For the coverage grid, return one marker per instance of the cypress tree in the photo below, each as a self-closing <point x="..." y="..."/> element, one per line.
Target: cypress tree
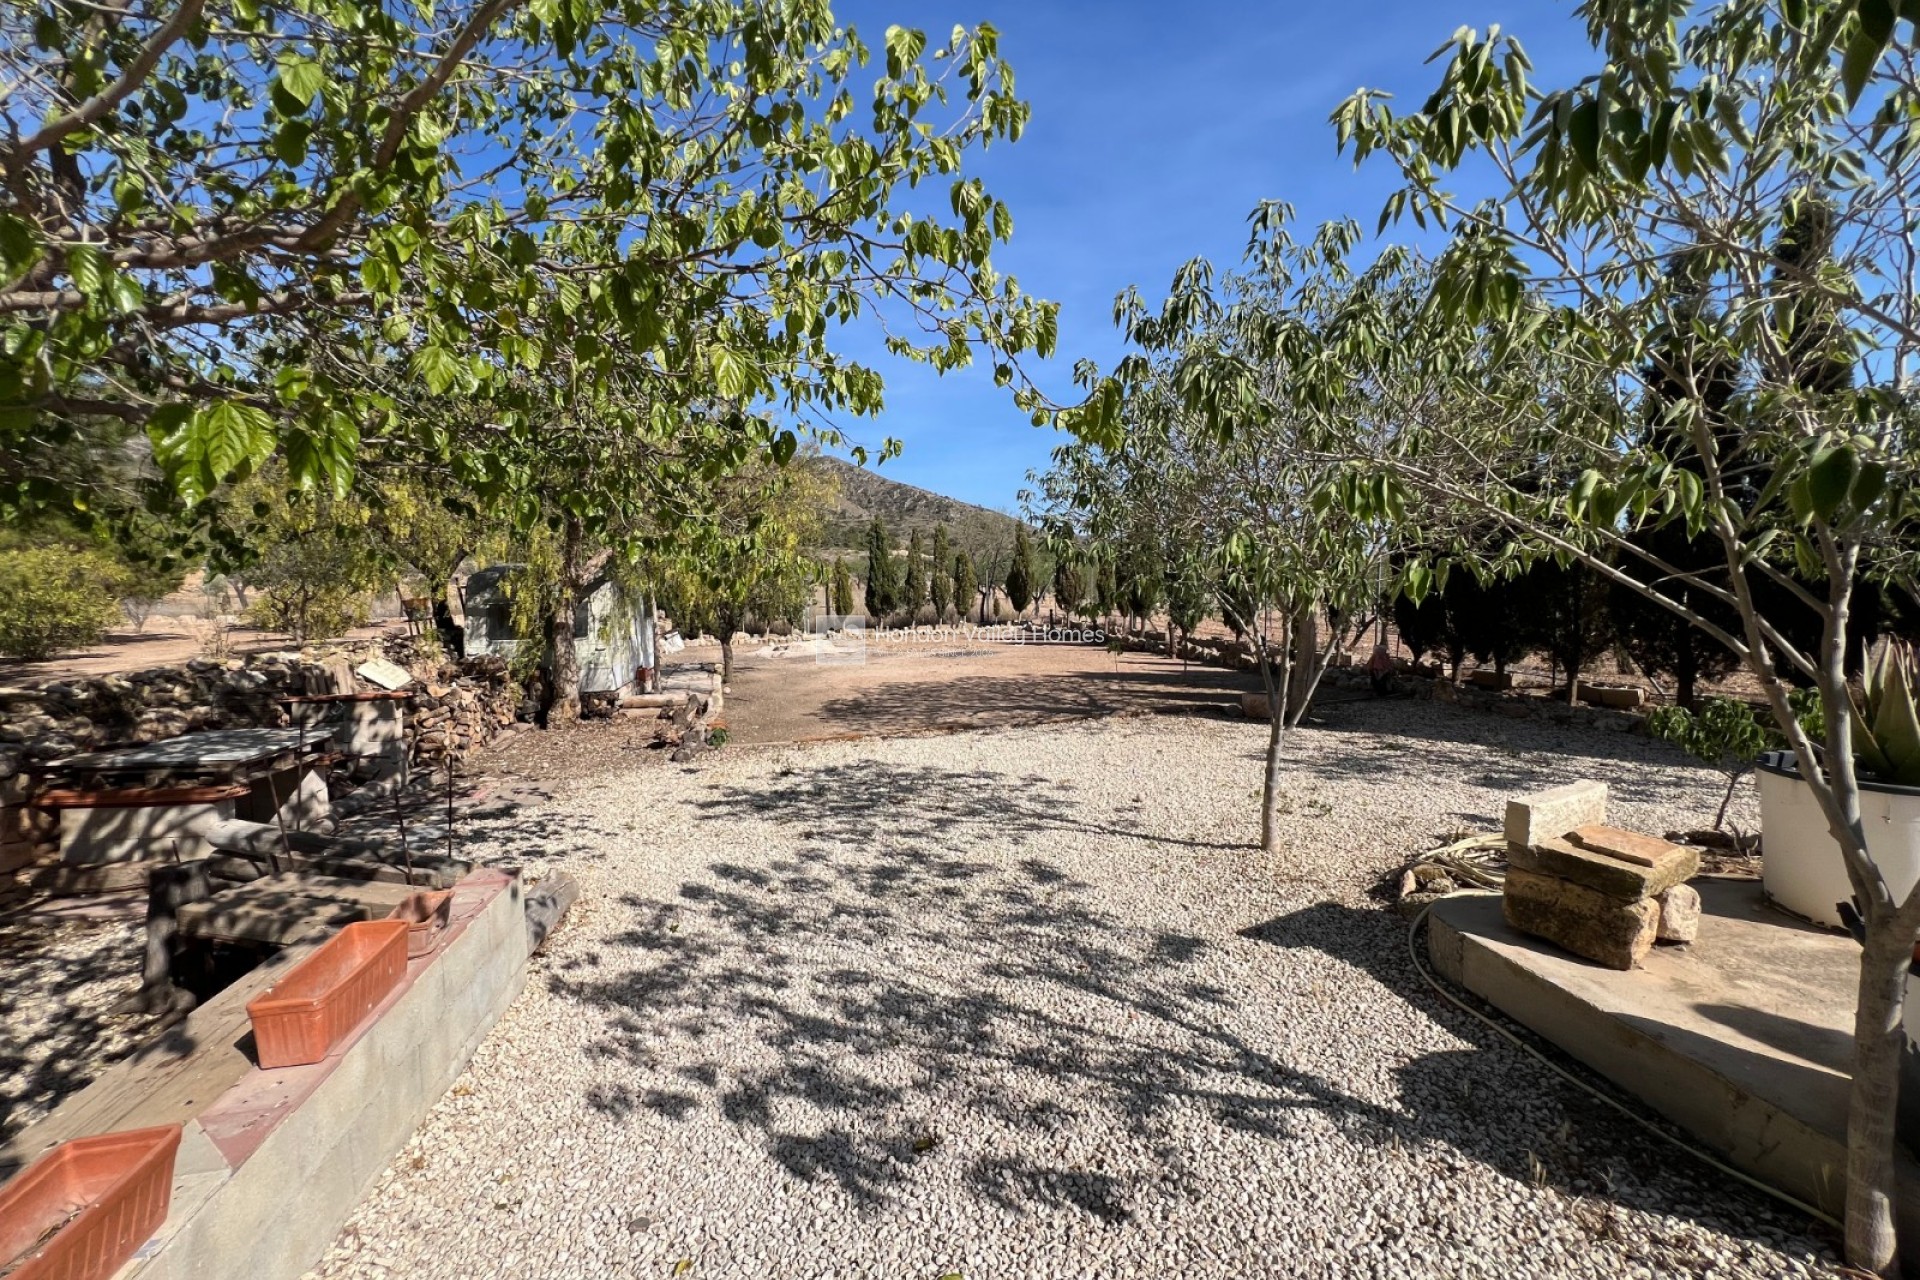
<point x="883" y="584"/>
<point x="966" y="583"/>
<point x="1069" y="585"/>
<point x="1020" y="583"/>
<point x="940" y="573"/>
<point x="840" y="589"/>
<point x="914" y="593"/>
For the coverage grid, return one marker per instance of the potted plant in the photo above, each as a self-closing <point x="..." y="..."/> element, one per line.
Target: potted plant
<point x="1801" y="866"/>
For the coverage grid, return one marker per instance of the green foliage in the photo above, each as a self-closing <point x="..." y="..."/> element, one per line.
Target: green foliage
<point x="840" y="588"/>
<point x="1886" y="720"/>
<point x="966" y="582"/>
<point x="883" y="581"/>
<point x="1723" y="732"/>
<point x="940" y="573"/>
<point x="913" y="591"/>
<point x="1187" y="595"/>
<point x="254" y="228"/>
<point x="717" y="737"/>
<point x="315" y="567"/>
<point x="1020" y="583"/>
<point x="1069" y="584"/>
<point x="54" y="599"/>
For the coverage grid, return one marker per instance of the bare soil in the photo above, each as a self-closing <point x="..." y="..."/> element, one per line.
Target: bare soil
<point x="780" y="693"/>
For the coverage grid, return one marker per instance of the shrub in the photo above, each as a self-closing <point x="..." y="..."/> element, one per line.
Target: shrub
<point x="55" y="599"/>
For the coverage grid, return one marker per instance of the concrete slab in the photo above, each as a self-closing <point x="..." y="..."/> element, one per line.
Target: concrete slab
<point x="1742" y="1038"/>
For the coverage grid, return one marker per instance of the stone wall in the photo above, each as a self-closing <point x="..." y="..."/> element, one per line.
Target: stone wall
<point x="456" y="708"/>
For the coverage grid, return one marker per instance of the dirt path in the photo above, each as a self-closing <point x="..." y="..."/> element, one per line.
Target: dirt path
<point x="780" y="694"/>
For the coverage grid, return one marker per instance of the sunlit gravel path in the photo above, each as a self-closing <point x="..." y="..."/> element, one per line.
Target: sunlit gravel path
<point x="1028" y="1004"/>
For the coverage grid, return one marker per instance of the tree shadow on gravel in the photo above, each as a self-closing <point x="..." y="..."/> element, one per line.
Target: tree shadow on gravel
<point x="1497" y="1107"/>
<point x="1490" y="750"/>
<point x="851" y="1000"/>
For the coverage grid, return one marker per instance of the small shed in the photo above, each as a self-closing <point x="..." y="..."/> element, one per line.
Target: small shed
<point x="613" y="630"/>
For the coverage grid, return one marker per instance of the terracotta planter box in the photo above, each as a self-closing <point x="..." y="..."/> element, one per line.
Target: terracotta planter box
<point x="81" y="1210"/>
<point x="327" y="994"/>
<point x="426" y="915"/>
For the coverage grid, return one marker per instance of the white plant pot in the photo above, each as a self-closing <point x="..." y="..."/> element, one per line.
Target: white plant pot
<point x="1801" y="866"/>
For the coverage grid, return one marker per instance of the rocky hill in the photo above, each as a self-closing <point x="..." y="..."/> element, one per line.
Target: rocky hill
<point x="903" y="508"/>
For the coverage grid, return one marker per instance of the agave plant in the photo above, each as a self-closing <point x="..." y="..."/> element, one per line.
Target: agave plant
<point x="1886" y="724"/>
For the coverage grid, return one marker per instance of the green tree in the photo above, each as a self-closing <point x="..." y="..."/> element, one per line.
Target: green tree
<point x="1020" y="580"/>
<point x="883" y="589"/>
<point x="243" y="226"/>
<point x="55" y="598"/>
<point x="913" y="593"/>
<point x="1188" y="585"/>
<point x="315" y="567"/>
<point x="841" y="588"/>
<point x="1069" y="587"/>
<point x="966" y="583"/>
<point x="1603" y="183"/>
<point x="940" y="573"/>
<point x="760" y="533"/>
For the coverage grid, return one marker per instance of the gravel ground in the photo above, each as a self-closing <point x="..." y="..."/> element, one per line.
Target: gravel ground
<point x="1028" y="1004"/>
<point x="57" y="1026"/>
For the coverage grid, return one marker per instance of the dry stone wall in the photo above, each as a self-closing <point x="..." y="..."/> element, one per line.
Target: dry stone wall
<point x="456" y="709"/>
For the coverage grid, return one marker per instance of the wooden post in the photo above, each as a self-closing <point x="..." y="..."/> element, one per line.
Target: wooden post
<point x="168" y="890"/>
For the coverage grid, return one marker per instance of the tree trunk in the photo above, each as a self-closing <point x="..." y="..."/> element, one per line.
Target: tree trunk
<point x="1306" y="652"/>
<point x="566" y="658"/>
<point x="1873" y="1104"/>
<point x="1573" y="684"/>
<point x="726" y="659"/>
<point x="1277" y="698"/>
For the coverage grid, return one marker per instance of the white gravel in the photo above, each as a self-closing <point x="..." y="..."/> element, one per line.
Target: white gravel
<point x="58" y="1031"/>
<point x="1029" y="1004"/>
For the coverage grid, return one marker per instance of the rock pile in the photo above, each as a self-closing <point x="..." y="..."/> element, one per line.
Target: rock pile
<point x="1602" y="893"/>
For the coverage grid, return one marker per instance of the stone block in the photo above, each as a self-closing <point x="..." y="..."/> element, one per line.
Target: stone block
<point x="1547" y="815"/>
<point x="1628" y="846"/>
<point x="1602" y="872"/>
<point x="1581" y="920"/>
<point x="1620" y="697"/>
<point x="1679" y="914"/>
<point x="1496" y="680"/>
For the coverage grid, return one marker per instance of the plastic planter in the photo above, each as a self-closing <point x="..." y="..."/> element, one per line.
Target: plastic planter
<point x="1800" y="863"/>
<point x="81" y="1210"/>
<point x="426" y="915"/>
<point x="326" y="995"/>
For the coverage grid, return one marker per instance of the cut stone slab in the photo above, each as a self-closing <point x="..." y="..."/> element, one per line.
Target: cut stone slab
<point x="1604" y="873"/>
<point x="1629" y="846"/>
<point x="1549" y="814"/>
<point x="1680" y="914"/>
<point x="388" y="675"/>
<point x="1581" y="920"/>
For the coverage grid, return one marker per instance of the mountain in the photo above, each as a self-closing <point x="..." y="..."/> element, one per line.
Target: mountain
<point x="903" y="508"/>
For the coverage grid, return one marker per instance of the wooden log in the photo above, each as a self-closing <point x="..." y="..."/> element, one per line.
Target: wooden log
<point x="636" y="701"/>
<point x="547" y="904"/>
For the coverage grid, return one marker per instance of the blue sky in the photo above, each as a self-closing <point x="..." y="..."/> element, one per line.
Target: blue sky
<point x="1156" y="128"/>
